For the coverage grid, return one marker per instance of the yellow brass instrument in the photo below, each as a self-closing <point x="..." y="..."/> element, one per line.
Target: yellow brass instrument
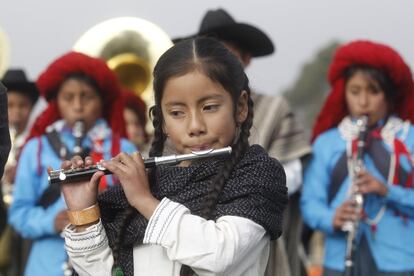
<point x="6" y="185"/>
<point x="4" y="52"/>
<point x="131" y="46"/>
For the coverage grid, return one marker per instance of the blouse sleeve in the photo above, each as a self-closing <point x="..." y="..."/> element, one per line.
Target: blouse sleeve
<point x="314" y="201"/>
<point x="400" y="197"/>
<point x="206" y="246"/>
<point x="89" y="250"/>
<point x="29" y="219"/>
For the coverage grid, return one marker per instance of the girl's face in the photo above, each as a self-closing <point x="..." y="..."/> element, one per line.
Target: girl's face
<point x="364" y="96"/>
<point x="198" y="113"/>
<point x="79" y="101"/>
<point x="135" y="130"/>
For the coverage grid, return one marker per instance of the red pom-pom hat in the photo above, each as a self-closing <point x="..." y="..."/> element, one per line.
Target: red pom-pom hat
<point x="376" y="55"/>
<point x="52" y="78"/>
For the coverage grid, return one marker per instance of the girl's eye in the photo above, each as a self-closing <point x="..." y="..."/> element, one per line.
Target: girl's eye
<point x="354" y="91"/>
<point x="68" y="98"/>
<point x="89" y="97"/>
<point x="176" y="113"/>
<point x="211" y="107"/>
<point x="374" y="91"/>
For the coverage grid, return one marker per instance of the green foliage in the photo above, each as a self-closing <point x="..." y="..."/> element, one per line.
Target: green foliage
<point x="307" y="94"/>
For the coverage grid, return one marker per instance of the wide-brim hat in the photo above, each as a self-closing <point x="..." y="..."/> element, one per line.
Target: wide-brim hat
<point x="220" y="24"/>
<point x="16" y="80"/>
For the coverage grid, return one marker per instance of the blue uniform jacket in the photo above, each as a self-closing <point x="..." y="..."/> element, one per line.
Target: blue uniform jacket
<point x="34" y="222"/>
<point x="392" y="246"/>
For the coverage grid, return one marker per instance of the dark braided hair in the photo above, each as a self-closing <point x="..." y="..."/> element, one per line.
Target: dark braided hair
<point x="210" y="57"/>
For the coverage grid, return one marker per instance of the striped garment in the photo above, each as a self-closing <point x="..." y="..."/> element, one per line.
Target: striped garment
<point x="276" y="129"/>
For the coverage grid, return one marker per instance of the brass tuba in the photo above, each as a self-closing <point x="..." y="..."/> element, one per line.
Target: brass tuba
<point x="4" y="53"/>
<point x="131" y="46"/>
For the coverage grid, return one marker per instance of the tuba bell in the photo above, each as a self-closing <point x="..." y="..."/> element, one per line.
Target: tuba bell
<point x="131" y="47"/>
<point x="4" y="53"/>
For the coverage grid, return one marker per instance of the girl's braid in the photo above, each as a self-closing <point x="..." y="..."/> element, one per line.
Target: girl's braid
<point x="156" y="150"/>
<point x="239" y="148"/>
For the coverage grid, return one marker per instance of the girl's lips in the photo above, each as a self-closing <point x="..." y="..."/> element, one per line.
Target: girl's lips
<point x="200" y="147"/>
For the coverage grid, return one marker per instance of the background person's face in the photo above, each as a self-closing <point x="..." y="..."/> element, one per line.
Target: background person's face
<point x="79" y="101"/>
<point x="364" y="96"/>
<point x="135" y="130"/>
<point x="19" y="108"/>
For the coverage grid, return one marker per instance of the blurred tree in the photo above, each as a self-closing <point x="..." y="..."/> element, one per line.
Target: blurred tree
<point x="309" y="90"/>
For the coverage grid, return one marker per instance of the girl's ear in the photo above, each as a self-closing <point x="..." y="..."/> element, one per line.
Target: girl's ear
<point x="242" y="107"/>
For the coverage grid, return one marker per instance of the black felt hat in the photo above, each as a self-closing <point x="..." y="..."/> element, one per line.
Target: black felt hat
<point x="16" y="80"/>
<point x="220" y="24"/>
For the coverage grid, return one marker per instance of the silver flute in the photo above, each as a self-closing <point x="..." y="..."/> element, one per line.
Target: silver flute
<point x="83" y="174"/>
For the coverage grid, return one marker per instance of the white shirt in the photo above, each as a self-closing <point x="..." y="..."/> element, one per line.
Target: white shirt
<point x="293" y="171"/>
<point x="230" y="246"/>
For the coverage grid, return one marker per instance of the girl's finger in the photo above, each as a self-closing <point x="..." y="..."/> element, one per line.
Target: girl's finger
<point x="88" y="161"/>
<point x="120" y="158"/>
<point x="96" y="177"/>
<point x="361" y="174"/>
<point x="115" y="166"/>
<point x="136" y="156"/>
<point x="66" y="165"/>
<point x="77" y="161"/>
<point x="126" y="159"/>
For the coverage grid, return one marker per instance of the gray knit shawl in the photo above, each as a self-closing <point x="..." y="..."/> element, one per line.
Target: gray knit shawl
<point x="255" y="190"/>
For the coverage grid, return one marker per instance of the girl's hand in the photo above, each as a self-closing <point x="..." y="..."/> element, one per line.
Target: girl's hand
<point x="368" y="184"/>
<point x="80" y="195"/>
<point x="344" y="213"/>
<point x="131" y="172"/>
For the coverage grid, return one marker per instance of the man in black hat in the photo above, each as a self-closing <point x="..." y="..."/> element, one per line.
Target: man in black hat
<point x="274" y="127"/>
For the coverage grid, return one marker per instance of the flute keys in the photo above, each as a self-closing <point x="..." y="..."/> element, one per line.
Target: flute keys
<point x="62" y="176"/>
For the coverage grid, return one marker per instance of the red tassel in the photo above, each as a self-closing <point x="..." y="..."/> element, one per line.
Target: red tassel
<point x="97" y="156"/>
<point x="373" y="230"/>
<point x="405" y="219"/>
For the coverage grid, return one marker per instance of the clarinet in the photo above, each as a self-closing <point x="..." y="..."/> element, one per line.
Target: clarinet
<point x="351" y="227"/>
<point x="83" y="174"/>
<point x="78" y="131"/>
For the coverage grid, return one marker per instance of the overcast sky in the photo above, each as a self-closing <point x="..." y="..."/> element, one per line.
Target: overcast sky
<point x="39" y="31"/>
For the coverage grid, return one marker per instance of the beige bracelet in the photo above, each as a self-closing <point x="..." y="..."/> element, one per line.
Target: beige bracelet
<point x="85" y="216"/>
